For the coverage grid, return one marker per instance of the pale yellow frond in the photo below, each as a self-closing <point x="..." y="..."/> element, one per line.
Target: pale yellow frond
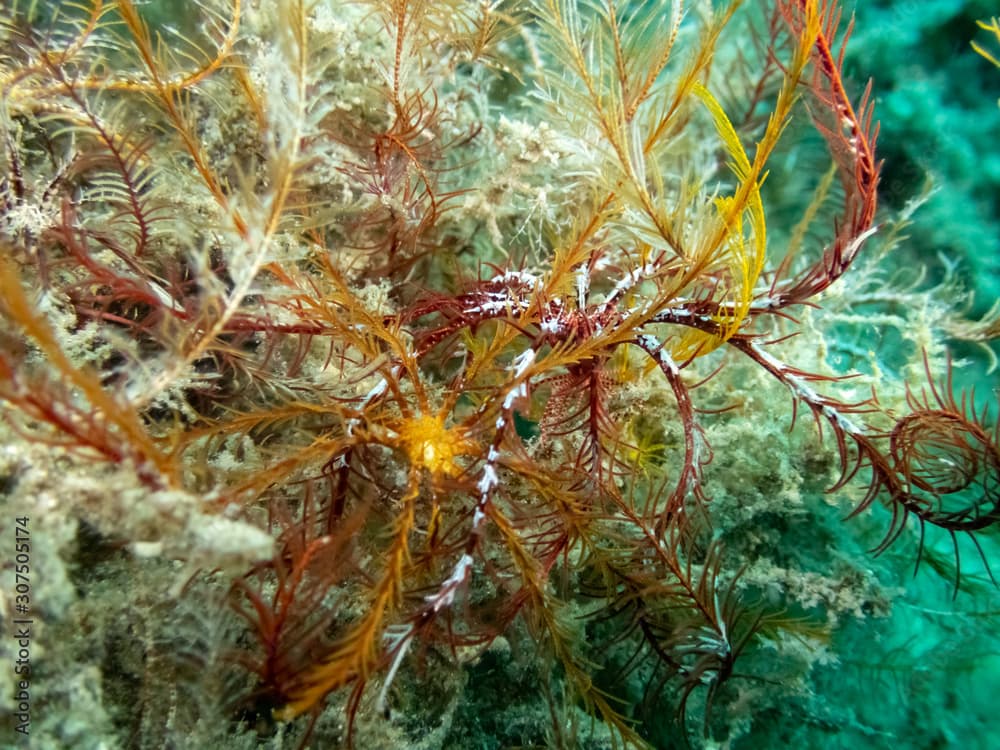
<point x="742" y="255"/>
<point x="994" y="26"/>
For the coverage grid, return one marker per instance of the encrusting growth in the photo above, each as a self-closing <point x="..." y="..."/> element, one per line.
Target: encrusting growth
<point x="443" y="453"/>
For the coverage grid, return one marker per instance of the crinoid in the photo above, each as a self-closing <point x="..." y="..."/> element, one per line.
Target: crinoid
<point x="281" y="279"/>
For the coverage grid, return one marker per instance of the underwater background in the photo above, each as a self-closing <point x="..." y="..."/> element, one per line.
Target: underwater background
<point x="135" y="635"/>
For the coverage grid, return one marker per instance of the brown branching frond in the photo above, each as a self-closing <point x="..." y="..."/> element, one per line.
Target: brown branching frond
<point x="939" y="463"/>
<point x="110" y="425"/>
<point x="289" y="603"/>
<point x="850" y="132"/>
